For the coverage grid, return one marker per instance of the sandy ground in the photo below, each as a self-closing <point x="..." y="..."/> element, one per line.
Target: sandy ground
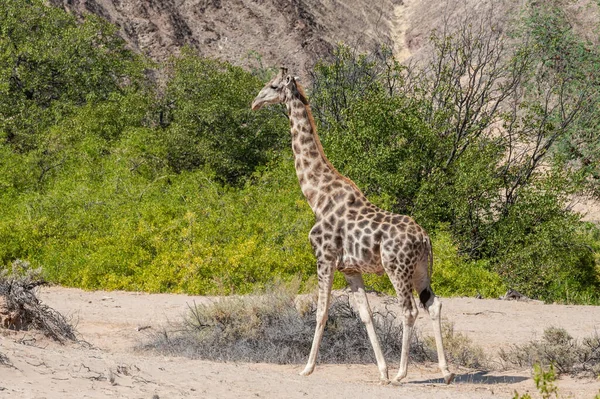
<point x="114" y="322"/>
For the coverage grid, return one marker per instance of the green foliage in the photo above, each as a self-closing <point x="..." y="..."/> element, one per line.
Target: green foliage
<point x="422" y="145"/>
<point x="568" y="69"/>
<point x="49" y="62"/>
<point x="456" y="275"/>
<point x="208" y="121"/>
<point x="544" y="382"/>
<point x="100" y="178"/>
<point x="184" y="233"/>
<point x="544" y="250"/>
<point x="375" y="138"/>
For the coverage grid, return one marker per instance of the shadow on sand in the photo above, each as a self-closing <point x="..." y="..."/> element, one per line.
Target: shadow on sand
<point x="479" y="377"/>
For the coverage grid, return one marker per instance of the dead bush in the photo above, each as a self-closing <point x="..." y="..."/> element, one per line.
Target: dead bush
<point x="459" y="349"/>
<point x="558" y="348"/>
<point x="20" y="309"/>
<point x="274" y="327"/>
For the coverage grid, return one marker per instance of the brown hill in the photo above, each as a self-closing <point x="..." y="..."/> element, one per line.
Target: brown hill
<point x="294" y="32"/>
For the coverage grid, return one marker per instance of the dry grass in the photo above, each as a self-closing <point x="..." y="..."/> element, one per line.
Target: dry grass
<point x="275" y="327"/>
<point x="459" y="349"/>
<point x="558" y="348"/>
<point x="20" y="309"/>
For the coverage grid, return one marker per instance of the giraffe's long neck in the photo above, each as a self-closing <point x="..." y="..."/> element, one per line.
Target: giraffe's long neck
<point x="315" y="172"/>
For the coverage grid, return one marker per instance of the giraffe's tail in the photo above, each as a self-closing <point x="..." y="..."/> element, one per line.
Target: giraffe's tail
<point x="429" y="257"/>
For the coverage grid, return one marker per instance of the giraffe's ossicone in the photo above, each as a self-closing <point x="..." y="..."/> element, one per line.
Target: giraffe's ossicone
<point x="353" y="236"/>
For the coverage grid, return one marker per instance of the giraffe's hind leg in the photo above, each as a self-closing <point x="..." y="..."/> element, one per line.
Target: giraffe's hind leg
<point x="434" y="307"/>
<point x="409" y="313"/>
<point x="400" y="274"/>
<point x="358" y="289"/>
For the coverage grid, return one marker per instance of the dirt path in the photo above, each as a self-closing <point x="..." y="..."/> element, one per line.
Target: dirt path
<point x="110" y="322"/>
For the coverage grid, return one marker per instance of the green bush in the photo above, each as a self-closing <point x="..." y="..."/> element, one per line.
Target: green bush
<point x="544" y="382"/>
<point x="397" y="133"/>
<point x="208" y="121"/>
<point x="456" y="275"/>
<point x="176" y="232"/>
<point x="51" y="62"/>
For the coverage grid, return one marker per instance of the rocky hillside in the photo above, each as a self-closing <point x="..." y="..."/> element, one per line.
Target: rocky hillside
<point x="295" y="33"/>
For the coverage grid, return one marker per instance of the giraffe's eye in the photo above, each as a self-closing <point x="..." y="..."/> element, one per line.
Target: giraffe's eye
<point x="274" y="87"/>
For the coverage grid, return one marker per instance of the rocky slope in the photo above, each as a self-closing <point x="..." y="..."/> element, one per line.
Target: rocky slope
<point x="295" y="33"/>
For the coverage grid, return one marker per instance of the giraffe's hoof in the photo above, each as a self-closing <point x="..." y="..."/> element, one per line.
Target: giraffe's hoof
<point x="448" y="378"/>
<point x="306" y="371"/>
<point x="384" y="378"/>
<point x="397" y="380"/>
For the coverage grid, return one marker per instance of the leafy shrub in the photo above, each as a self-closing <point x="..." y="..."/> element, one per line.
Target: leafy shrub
<point x="208" y="121"/>
<point x="112" y="180"/>
<point x="90" y="187"/>
<point x="544" y="382"/>
<point x="404" y="136"/>
<point x="456" y="275"/>
<point x="51" y="62"/>
<point x="546" y="252"/>
<point x="174" y="232"/>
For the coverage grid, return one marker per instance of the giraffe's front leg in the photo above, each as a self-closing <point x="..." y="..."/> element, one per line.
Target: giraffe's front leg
<point x="357" y="286"/>
<point x="325" y="269"/>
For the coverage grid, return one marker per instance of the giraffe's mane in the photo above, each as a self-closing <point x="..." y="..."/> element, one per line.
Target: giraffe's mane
<point x="313" y="126"/>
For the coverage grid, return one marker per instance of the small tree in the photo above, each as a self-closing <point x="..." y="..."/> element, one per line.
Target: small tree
<point x="208" y="121"/>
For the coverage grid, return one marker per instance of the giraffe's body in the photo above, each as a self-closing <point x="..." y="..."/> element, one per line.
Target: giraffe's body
<point x="353" y="236"/>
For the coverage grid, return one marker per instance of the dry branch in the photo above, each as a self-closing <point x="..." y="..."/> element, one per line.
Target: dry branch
<point x="20" y="309"/>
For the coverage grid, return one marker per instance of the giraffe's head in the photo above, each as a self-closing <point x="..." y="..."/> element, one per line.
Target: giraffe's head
<point x="278" y="90"/>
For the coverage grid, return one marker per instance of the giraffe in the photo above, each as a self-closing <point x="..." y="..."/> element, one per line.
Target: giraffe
<point x="353" y="236"/>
